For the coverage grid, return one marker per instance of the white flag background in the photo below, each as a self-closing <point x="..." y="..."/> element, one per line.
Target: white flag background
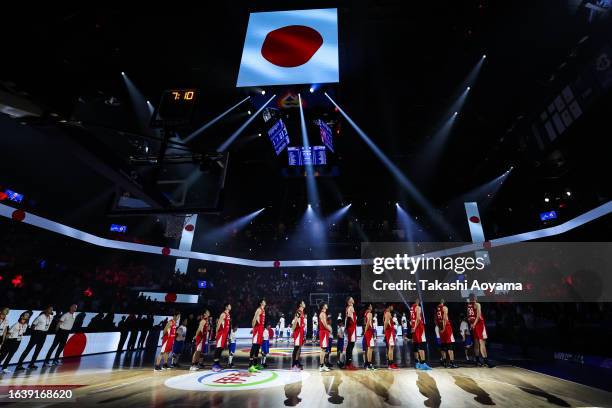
<point x="322" y="67"/>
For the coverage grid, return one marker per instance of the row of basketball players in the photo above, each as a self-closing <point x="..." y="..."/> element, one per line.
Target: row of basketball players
<point x="223" y="334"/>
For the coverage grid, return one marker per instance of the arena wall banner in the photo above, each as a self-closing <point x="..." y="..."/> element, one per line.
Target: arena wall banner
<point x="78" y="344"/>
<point x="79" y="321"/>
<point x="170" y="297"/>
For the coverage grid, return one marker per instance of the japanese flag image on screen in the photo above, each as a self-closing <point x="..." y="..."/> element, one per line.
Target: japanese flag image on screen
<point x="290" y="47"/>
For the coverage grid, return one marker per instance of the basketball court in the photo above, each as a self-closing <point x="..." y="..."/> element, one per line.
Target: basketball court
<point x="128" y="380"/>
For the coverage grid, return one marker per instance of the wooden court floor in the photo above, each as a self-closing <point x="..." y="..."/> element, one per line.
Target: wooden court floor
<point x="127" y="380"/>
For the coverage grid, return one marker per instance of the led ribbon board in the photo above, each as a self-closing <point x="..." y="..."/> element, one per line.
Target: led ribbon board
<point x="31" y="219"/>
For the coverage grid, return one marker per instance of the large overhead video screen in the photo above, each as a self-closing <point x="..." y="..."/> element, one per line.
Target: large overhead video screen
<point x="290" y="47"/>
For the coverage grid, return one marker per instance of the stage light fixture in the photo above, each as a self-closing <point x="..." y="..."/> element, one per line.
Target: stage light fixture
<point x="546" y="199"/>
<point x="249" y="112"/>
<point x="263" y="92"/>
<point x="469" y="87"/>
<point x="568" y="193"/>
<point x="312" y="89"/>
<point x="484" y="56"/>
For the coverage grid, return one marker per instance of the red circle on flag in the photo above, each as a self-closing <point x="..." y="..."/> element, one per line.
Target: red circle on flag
<point x="486" y="244"/>
<point x="189" y="227"/>
<point x="170" y="297"/>
<point x="474" y="219"/>
<point x="165" y="251"/>
<point x="291" y="46"/>
<point x="3" y="196"/>
<point x="276" y="264"/>
<point x="75" y="345"/>
<point x="18" y="215"/>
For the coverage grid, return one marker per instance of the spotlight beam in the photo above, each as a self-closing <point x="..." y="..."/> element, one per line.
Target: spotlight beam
<point x="139" y="102"/>
<point x="396" y="172"/>
<point x="213" y="121"/>
<point x="311" y="185"/>
<point x="223" y="147"/>
<point x="225" y="231"/>
<point x="337" y="215"/>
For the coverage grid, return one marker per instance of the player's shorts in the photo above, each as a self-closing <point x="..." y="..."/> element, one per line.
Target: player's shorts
<point x="480" y="331"/>
<point x="298" y="338"/>
<point x="258" y="334"/>
<point x="265" y="346"/>
<point x="390" y="337"/>
<point x="221" y="339"/>
<point x="232" y="348"/>
<point x="446" y="335"/>
<point x="178" y="347"/>
<point x="468" y="342"/>
<point x="369" y="338"/>
<point x="200" y="343"/>
<point x="351" y="334"/>
<point x="167" y="344"/>
<point x="418" y="334"/>
<point x="323" y="339"/>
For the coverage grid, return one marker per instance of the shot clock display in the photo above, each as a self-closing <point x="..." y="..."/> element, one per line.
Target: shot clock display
<point x="175" y="107"/>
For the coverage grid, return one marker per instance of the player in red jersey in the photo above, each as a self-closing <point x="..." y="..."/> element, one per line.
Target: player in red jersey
<point x="447" y="339"/>
<point x="350" y="322"/>
<point x="200" y="340"/>
<point x="389" y="328"/>
<point x="368" y="337"/>
<point x="258" y="324"/>
<point x="298" y="328"/>
<point x="324" y="332"/>
<point x="479" y="331"/>
<point x="167" y="342"/>
<point x="419" y="341"/>
<point x="223" y="327"/>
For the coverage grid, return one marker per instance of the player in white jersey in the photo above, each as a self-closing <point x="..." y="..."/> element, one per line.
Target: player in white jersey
<point x="281" y="328"/>
<point x="315" y="328"/>
<point x="375" y="325"/>
<point x="232" y="346"/>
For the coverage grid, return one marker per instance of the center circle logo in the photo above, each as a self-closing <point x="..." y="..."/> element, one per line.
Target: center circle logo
<point x="234" y="380"/>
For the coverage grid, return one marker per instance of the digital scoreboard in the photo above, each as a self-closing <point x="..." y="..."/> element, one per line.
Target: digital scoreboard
<point x="279" y="136"/>
<point x="326" y="134"/>
<point x="175" y="108"/>
<point x="307" y="156"/>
